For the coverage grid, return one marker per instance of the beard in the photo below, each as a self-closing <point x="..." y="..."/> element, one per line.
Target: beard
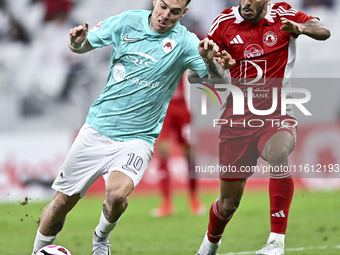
<point x="259" y="12"/>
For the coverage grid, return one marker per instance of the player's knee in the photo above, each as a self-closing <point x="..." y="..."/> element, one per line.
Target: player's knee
<point x="228" y="207"/>
<point x="116" y="198"/>
<point x="61" y="205"/>
<point x="278" y="156"/>
<point x="57" y="209"/>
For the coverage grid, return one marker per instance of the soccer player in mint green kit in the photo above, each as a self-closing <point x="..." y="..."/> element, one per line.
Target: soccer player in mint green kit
<point x="151" y="50"/>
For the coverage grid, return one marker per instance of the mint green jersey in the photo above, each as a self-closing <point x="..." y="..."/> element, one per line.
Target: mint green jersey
<point x="145" y="69"/>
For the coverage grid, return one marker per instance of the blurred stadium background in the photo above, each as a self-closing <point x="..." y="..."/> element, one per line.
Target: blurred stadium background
<point x="46" y="91"/>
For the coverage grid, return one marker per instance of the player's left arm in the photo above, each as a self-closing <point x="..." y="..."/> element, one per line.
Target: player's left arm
<point x="312" y="28"/>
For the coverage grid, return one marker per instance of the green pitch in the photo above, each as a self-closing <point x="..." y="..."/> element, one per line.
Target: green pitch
<point x="314" y="226"/>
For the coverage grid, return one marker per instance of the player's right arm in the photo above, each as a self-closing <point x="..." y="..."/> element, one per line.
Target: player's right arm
<point x="78" y="42"/>
<point x="312" y="28"/>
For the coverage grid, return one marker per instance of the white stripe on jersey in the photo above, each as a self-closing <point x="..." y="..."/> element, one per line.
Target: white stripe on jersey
<point x="219" y="19"/>
<point x="283" y="12"/>
<point x="288" y="72"/>
<point x="239" y="38"/>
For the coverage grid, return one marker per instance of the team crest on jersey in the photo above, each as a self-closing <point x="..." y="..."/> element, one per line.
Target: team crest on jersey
<point x="270" y="39"/>
<point x="99" y="25"/>
<point x="168" y="45"/>
<point x="253" y="50"/>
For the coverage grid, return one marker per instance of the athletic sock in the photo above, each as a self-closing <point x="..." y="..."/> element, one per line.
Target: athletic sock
<point x="192" y="179"/>
<point x="42" y="241"/>
<point x="104" y="227"/>
<point x="217" y="223"/>
<point x="165" y="180"/>
<point x="279" y="238"/>
<point x="281" y="194"/>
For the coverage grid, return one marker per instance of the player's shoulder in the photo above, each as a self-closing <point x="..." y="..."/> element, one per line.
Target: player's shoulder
<point x="134" y="14"/>
<point x="228" y="16"/>
<point x="283" y="5"/>
<point x="224" y="20"/>
<point x="129" y="17"/>
<point x="282" y="9"/>
<point x="181" y="33"/>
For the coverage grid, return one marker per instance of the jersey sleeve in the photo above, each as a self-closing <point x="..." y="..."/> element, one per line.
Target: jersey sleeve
<point x="299" y="17"/>
<point x="216" y="31"/>
<point x="105" y="32"/>
<point x="193" y="60"/>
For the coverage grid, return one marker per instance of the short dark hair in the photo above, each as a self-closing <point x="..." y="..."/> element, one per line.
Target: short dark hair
<point x="188" y="1"/>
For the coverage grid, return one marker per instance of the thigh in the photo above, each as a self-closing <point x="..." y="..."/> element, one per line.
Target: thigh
<point x="236" y="156"/>
<point x="118" y="183"/>
<point x="276" y="137"/>
<point x="130" y="157"/>
<point x="83" y="164"/>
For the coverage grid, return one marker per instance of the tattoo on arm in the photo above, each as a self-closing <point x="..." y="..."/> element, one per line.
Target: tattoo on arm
<point x="107" y="213"/>
<point x="56" y="228"/>
<point x="216" y="74"/>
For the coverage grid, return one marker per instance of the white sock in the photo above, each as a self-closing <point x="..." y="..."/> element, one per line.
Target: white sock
<point x="104" y="227"/>
<point x="279" y="238"/>
<point x="42" y="241"/>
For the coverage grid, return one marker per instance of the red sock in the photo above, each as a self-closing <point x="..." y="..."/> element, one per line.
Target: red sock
<point x="217" y="223"/>
<point x="281" y="194"/>
<point x="192" y="179"/>
<point x="165" y="179"/>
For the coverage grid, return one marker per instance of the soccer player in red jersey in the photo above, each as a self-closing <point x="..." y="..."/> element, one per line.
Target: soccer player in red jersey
<point x="177" y="126"/>
<point x="260" y="37"/>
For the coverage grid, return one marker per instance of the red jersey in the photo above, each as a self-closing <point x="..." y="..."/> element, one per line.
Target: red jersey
<point x="264" y="55"/>
<point x="179" y="92"/>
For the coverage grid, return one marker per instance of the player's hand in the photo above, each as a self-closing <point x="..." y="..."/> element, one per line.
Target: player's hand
<point x="291" y="26"/>
<point x="78" y="34"/>
<point x="225" y="60"/>
<point x="207" y="49"/>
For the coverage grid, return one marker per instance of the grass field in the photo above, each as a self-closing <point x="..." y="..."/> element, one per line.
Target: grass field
<point x="314" y="226"/>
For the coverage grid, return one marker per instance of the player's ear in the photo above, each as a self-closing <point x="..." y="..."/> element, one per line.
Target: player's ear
<point x="154" y="3"/>
<point x="185" y="10"/>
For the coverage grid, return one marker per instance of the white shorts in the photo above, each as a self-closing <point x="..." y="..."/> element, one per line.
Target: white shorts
<point x="93" y="154"/>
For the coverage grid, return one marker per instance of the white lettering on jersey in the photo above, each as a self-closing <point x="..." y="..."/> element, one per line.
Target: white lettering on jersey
<point x="252" y="51"/>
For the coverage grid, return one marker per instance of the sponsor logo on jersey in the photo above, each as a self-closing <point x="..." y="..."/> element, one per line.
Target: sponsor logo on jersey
<point x="270" y="39"/>
<point x="141" y="59"/>
<point x="118" y="72"/>
<point x="99" y="25"/>
<point x="237" y="40"/>
<point x="168" y="45"/>
<point x="253" y="50"/>
<point x="127" y="39"/>
<point x="138" y="81"/>
<point x="253" y="72"/>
